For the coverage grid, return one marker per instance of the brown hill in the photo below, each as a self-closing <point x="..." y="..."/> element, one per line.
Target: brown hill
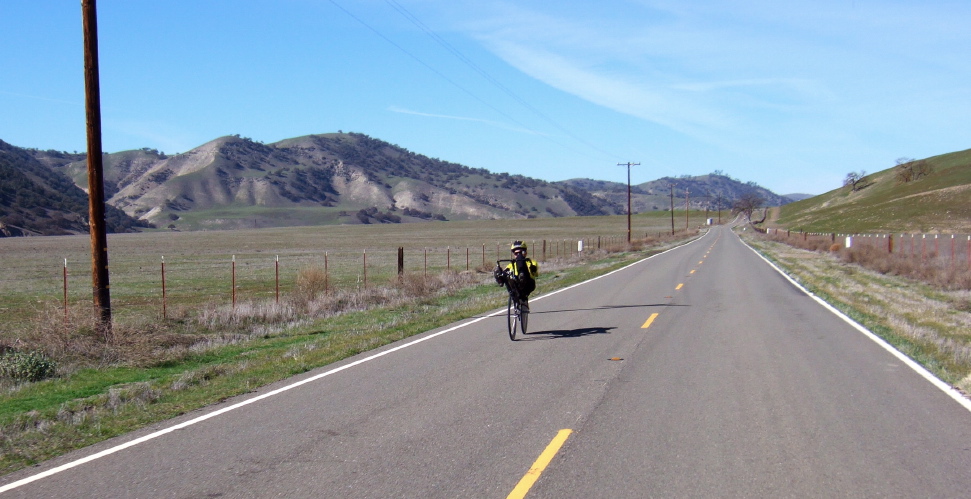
<point x="234" y="182"/>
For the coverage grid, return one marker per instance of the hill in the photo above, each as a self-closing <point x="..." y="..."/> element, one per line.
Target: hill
<point x="37" y="200"/>
<point x="936" y="203"/>
<point x="234" y="182"/>
<point x="712" y="191"/>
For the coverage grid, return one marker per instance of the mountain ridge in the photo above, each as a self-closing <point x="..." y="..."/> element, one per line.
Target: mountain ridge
<point x="338" y="178"/>
<point x="35" y="199"/>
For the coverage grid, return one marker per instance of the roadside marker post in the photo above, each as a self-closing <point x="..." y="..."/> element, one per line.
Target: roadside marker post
<point x="65" y="289"/>
<point x="164" y="301"/>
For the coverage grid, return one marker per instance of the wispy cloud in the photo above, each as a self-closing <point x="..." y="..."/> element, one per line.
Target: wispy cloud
<point x="401" y="110"/>
<point x="793" y="83"/>
<point x="162" y="136"/>
<point x="628" y="94"/>
<point x="38" y="97"/>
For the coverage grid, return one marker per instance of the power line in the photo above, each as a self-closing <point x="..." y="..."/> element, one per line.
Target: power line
<point x="453" y="83"/>
<point x="468" y="62"/>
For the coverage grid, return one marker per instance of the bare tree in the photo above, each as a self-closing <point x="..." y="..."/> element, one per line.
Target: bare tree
<point x="856" y="180"/>
<point x="908" y="170"/>
<point x="748" y="203"/>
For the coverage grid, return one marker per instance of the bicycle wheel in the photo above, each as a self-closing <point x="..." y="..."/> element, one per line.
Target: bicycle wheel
<point x="523" y="317"/>
<point x="512" y="317"/>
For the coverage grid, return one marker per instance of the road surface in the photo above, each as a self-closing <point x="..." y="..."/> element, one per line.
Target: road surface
<point x="700" y="372"/>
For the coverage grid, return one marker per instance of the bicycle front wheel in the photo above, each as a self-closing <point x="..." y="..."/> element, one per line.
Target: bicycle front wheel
<point x="512" y="318"/>
<point x="523" y="316"/>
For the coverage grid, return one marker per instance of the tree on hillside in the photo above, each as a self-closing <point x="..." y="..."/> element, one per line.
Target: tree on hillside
<point x="908" y="170"/>
<point x="856" y="180"/>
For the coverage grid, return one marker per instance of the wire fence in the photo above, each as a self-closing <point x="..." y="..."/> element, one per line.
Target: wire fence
<point x="942" y="260"/>
<point x="951" y="249"/>
<point x="145" y="282"/>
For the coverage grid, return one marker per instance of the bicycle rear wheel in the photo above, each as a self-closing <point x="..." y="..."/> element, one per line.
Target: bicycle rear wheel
<point x="512" y="317"/>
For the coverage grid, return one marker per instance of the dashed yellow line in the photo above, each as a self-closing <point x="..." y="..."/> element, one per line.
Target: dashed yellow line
<point x="692" y="272"/>
<point x="541" y="463"/>
<point x="650" y="320"/>
<point x="679" y="286"/>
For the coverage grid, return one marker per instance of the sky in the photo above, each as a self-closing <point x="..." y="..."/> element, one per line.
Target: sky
<point x="792" y="95"/>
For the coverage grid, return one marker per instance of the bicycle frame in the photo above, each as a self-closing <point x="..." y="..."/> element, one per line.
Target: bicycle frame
<point x="515" y="315"/>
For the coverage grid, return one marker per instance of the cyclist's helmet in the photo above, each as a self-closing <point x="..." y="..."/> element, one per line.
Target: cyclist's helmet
<point x="517" y="245"/>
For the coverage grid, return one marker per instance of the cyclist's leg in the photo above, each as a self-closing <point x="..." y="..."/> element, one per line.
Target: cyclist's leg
<point x="525" y="287"/>
<point x="513" y="288"/>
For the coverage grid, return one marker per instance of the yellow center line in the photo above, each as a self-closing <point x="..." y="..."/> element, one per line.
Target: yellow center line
<point x="650" y="320"/>
<point x="692" y="272"/>
<point x="541" y="463"/>
<point x="679" y="286"/>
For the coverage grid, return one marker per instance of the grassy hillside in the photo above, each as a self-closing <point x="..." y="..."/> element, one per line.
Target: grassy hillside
<point x="937" y="203"/>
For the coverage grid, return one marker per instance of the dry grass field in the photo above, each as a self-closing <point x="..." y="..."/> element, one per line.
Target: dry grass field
<point x="199" y="265"/>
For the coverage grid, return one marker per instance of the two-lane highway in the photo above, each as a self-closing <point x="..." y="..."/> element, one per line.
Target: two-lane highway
<point x="698" y="372"/>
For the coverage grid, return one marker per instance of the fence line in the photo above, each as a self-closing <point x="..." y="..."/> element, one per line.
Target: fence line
<point x="953" y="250"/>
<point x="140" y="282"/>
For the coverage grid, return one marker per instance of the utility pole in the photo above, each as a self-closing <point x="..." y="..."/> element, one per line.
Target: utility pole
<point x="687" y="207"/>
<point x="672" y="209"/>
<point x="629" y="164"/>
<point x="96" y="191"/>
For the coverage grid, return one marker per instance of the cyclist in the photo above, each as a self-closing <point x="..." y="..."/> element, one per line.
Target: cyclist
<point x="522" y="270"/>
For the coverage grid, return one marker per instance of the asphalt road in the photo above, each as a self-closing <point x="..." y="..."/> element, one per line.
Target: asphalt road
<point x="741" y="385"/>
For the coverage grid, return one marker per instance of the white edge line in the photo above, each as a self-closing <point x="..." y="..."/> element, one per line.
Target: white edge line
<point x="921" y="370"/>
<point x="185" y="424"/>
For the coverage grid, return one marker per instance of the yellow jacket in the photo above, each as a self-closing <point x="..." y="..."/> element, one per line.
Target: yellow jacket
<point x="530" y="264"/>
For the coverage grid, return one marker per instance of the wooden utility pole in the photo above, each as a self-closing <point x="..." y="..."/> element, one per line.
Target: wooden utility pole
<point x="687" y="207"/>
<point x="96" y="191"/>
<point x="629" y="164"/>
<point x="672" y="209"/>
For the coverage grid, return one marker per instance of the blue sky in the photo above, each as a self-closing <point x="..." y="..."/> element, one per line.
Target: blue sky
<point x="791" y="95"/>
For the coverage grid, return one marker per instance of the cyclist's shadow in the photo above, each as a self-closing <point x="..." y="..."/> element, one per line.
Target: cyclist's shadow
<point x="565" y="333"/>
